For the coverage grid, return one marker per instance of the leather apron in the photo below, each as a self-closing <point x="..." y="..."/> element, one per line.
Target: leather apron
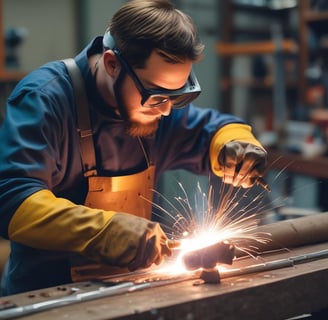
<point x="131" y="193"/>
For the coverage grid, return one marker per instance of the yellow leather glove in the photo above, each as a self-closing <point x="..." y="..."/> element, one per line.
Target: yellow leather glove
<point x="237" y="156"/>
<point x="129" y="241"/>
<point x="44" y="221"/>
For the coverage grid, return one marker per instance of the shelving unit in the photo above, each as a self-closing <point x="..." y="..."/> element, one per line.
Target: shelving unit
<point x="266" y="85"/>
<point x="317" y="22"/>
<point x="259" y="42"/>
<point x="254" y="40"/>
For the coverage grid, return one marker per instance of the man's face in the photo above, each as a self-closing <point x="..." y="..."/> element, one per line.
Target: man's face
<point x="157" y="74"/>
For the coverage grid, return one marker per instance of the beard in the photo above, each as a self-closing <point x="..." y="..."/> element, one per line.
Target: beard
<point x="137" y="129"/>
<point x="134" y="127"/>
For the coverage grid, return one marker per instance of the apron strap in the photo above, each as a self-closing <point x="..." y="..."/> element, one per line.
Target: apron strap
<point x="83" y="119"/>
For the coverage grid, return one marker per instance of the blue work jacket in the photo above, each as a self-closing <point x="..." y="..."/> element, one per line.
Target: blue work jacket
<point x="40" y="149"/>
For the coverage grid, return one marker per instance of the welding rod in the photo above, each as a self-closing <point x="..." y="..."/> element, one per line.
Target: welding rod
<point x="275" y="264"/>
<point x="263" y="184"/>
<point x="271" y="265"/>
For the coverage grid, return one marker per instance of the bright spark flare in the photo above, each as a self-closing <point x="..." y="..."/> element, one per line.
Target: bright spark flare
<point x="208" y="224"/>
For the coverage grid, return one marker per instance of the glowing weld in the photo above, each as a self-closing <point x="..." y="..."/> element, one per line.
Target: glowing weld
<point x="206" y="225"/>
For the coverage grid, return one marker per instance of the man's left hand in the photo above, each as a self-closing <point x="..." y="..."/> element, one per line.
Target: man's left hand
<point x="243" y="163"/>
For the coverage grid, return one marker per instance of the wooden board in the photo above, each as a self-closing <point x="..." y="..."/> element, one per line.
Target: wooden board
<point x="273" y="294"/>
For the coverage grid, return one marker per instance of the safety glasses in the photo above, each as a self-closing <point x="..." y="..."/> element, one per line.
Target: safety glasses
<point x="153" y="98"/>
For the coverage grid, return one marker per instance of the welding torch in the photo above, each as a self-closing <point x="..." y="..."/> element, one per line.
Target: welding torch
<point x="220" y="252"/>
<point x="206" y="259"/>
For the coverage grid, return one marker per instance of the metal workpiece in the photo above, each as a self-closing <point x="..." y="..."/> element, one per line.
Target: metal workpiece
<point x="292" y="233"/>
<point x="207" y="260"/>
<point x="210" y="276"/>
<point x="209" y="257"/>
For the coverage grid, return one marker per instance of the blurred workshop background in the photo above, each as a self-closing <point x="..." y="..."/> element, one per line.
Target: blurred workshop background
<point x="265" y="60"/>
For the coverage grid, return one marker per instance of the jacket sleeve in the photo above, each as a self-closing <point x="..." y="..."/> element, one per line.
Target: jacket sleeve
<point x="39" y="142"/>
<point x="192" y="137"/>
<point x="40" y="220"/>
<point x="44" y="221"/>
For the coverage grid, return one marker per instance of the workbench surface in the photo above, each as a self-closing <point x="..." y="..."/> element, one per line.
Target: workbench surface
<point x="274" y="294"/>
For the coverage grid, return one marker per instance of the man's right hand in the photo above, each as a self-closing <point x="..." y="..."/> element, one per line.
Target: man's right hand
<point x="118" y="239"/>
<point x="129" y="241"/>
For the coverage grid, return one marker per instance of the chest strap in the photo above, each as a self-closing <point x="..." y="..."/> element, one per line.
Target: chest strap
<point x="83" y="119"/>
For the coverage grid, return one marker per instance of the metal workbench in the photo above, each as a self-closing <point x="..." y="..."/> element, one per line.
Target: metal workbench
<point x="279" y="293"/>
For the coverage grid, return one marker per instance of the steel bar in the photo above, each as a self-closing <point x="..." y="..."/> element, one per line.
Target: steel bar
<point x="102" y="292"/>
<point x="63" y="301"/>
<point x="275" y="264"/>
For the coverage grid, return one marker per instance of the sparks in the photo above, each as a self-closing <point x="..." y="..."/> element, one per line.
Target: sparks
<point x="204" y="223"/>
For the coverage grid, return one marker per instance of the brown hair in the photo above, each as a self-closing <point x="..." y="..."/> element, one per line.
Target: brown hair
<point x="140" y="26"/>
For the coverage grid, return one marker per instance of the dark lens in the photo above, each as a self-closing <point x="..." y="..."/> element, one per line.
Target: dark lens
<point x="182" y="100"/>
<point x="156" y="100"/>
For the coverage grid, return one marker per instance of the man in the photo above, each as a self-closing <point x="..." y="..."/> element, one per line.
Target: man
<point x="76" y="179"/>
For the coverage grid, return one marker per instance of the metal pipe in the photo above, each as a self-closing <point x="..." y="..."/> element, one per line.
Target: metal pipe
<point x="291" y="233"/>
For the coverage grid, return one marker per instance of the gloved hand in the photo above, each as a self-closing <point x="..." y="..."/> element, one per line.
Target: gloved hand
<point x="130" y="241"/>
<point x="244" y="163"/>
<point x="118" y="239"/>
